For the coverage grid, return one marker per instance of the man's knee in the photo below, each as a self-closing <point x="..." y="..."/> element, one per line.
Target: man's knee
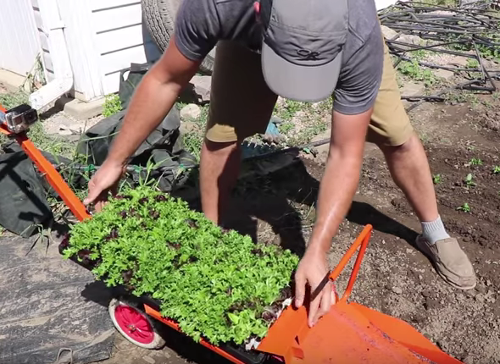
<point x="219" y="148"/>
<point x="403" y="145"/>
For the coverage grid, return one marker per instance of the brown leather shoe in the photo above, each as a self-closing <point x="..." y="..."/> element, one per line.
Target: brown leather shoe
<point x="450" y="261"/>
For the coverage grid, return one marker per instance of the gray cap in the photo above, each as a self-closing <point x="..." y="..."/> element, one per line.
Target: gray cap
<point x="302" y="46"/>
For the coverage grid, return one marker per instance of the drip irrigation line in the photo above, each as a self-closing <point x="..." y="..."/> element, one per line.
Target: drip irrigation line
<point x="472" y="29"/>
<point x="414" y="47"/>
<point x="485" y="72"/>
<point x="437" y="96"/>
<point x="453" y="69"/>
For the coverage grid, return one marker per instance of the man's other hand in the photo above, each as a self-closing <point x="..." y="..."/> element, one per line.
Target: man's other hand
<point x="311" y="270"/>
<point x="105" y="180"/>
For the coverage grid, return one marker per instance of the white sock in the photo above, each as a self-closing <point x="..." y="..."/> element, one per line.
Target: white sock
<point x="434" y="230"/>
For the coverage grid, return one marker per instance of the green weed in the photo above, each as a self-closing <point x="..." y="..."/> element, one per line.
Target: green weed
<point x="112" y="105"/>
<point x="496" y="170"/>
<point x="437" y="179"/>
<point x="13" y="99"/>
<point x="465" y="207"/>
<point x="289" y="109"/>
<point x="472" y="63"/>
<point x="286" y="127"/>
<point x="414" y="71"/>
<point x="469" y="180"/>
<point x="476" y="162"/>
<point x="192" y="142"/>
<point x="50" y="144"/>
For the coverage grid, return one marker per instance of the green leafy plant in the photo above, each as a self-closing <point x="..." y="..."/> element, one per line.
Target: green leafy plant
<point x="215" y="283"/>
<point x="414" y="71"/>
<point x="476" y="162"/>
<point x="469" y="180"/>
<point x="436" y="179"/>
<point x="496" y="170"/>
<point x="465" y="207"/>
<point x="13" y="99"/>
<point x="112" y="105"/>
<point x="472" y="63"/>
<point x="286" y="127"/>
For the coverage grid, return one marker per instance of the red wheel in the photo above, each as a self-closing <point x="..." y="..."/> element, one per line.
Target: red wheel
<point x="131" y="321"/>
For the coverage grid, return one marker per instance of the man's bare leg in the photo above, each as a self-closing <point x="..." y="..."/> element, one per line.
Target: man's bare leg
<point x="410" y="170"/>
<point x="219" y="169"/>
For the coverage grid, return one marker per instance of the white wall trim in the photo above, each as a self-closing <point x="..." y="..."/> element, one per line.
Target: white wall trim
<point x="83" y="48"/>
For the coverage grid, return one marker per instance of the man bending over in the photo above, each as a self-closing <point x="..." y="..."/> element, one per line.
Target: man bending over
<point x="305" y="51"/>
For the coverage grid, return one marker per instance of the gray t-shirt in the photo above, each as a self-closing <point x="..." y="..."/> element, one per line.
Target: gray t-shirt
<point x="200" y="24"/>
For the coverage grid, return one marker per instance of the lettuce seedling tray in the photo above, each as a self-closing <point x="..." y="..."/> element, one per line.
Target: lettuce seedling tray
<point x="215" y="283"/>
<point x="348" y="333"/>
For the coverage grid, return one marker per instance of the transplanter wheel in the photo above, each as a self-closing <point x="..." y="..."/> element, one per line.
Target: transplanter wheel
<point x="132" y="322"/>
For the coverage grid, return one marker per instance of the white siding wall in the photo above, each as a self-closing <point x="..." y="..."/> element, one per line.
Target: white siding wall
<point x="103" y="37"/>
<point x="120" y="39"/>
<point x="18" y="36"/>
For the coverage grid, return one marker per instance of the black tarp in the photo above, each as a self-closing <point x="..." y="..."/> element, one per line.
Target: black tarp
<point x="43" y="308"/>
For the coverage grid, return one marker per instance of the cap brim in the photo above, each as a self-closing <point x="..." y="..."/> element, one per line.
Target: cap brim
<point x="300" y="83"/>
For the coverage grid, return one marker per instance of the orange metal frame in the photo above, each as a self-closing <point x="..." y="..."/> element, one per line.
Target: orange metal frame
<point x="53" y="177"/>
<point x="349" y="333"/>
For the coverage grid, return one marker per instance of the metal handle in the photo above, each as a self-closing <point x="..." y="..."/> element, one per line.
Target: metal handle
<point x="362" y="240"/>
<point x="48" y="170"/>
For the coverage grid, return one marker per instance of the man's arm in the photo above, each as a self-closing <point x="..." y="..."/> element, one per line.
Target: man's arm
<point x="341" y="177"/>
<point x="337" y="188"/>
<point x="152" y="100"/>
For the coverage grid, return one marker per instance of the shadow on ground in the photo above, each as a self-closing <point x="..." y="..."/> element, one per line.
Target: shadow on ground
<point x="286" y="200"/>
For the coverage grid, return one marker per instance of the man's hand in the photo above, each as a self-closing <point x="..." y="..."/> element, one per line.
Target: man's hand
<point x="311" y="270"/>
<point x="104" y="181"/>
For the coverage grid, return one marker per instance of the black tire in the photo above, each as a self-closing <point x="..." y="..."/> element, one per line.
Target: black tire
<point x="159" y="18"/>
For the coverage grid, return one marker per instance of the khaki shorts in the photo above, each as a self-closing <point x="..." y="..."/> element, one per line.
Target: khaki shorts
<point x="241" y="103"/>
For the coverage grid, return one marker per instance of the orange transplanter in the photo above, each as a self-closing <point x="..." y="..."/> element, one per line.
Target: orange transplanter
<point x="349" y="333"/>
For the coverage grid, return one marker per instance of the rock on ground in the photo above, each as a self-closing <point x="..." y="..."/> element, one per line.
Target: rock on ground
<point x="190" y="112"/>
<point x="202" y="87"/>
<point x="411" y="39"/>
<point x="447" y="75"/>
<point x="389" y="33"/>
<point x="412" y="89"/>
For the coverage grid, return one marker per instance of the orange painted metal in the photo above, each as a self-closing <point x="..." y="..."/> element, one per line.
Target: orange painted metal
<point x="50" y="173"/>
<point x="153" y="313"/>
<point x="350" y="332"/>
<point x="405" y="334"/>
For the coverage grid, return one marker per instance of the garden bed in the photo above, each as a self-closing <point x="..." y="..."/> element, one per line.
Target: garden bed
<point x="217" y="284"/>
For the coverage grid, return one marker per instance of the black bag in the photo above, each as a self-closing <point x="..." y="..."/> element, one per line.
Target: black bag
<point x="24" y="204"/>
<point x="162" y="149"/>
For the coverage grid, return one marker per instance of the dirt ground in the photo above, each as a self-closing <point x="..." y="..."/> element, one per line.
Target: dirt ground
<point x="395" y="277"/>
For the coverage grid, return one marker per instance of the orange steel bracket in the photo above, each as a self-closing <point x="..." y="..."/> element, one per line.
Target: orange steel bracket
<point x="50" y="173"/>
